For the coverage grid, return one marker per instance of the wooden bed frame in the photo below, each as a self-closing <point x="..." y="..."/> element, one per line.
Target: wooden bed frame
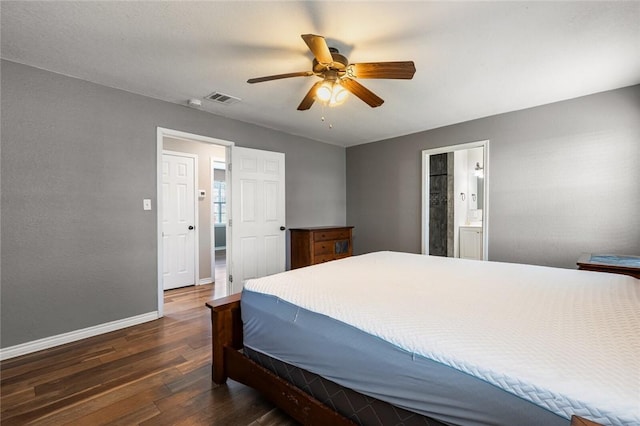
<point x="229" y="362"/>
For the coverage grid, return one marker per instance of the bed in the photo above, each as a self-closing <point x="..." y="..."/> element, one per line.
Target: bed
<point x="440" y="340"/>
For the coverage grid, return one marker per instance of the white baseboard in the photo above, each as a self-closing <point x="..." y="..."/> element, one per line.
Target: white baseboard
<point x="207" y="280"/>
<point x="72" y="336"/>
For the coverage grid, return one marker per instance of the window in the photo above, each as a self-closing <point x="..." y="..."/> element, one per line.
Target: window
<point x="219" y="202"/>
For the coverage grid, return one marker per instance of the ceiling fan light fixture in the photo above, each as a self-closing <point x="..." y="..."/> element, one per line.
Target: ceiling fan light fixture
<point x="325" y="91"/>
<point x="338" y="95"/>
<point x="331" y="93"/>
<point x="339" y="77"/>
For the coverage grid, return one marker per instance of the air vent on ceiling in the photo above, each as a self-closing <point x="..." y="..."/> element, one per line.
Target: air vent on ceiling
<point x="222" y="98"/>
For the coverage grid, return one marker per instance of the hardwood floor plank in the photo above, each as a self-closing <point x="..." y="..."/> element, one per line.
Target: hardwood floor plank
<point x="40" y="376"/>
<point x="11" y="400"/>
<point x="89" y="405"/>
<point x="198" y="358"/>
<point x="185" y="395"/>
<point x="136" y="417"/>
<point x="49" y="358"/>
<point x="127" y="368"/>
<point x="275" y="417"/>
<point x="188" y="378"/>
<point x="61" y="398"/>
<point x="229" y="404"/>
<point x="156" y="373"/>
<point x="124" y="408"/>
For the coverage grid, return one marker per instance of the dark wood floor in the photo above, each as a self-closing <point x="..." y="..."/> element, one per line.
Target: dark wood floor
<point x="157" y="373"/>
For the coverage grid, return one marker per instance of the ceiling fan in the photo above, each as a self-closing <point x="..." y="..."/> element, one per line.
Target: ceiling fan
<point x="338" y="75"/>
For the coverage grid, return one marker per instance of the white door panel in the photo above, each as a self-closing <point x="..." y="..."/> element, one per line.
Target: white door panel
<point x="258" y="212"/>
<point x="178" y="214"/>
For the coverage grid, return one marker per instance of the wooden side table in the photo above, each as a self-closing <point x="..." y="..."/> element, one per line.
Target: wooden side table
<point x="579" y="421"/>
<point x="617" y="264"/>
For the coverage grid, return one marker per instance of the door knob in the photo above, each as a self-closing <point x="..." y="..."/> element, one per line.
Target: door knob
<point x="190" y="227"/>
<point x="282" y="228"/>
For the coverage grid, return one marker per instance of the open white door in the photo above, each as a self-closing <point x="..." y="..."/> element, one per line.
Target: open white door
<point x="257" y="215"/>
<point x="178" y="219"/>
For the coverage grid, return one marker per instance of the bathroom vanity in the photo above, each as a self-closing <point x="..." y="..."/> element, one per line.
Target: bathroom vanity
<point x="471" y="242"/>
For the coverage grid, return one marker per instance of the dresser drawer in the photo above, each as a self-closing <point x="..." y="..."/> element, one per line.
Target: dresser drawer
<point x="323" y="247"/>
<point x="337" y="234"/>
<point x="324" y="258"/>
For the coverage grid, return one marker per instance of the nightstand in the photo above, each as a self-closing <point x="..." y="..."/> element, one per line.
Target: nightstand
<point x="617" y="264"/>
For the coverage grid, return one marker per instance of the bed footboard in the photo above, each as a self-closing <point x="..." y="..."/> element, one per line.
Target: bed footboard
<point x="226" y="331"/>
<point x="229" y="362"/>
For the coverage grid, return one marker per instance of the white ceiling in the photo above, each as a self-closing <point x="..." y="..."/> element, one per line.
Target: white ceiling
<point x="473" y="59"/>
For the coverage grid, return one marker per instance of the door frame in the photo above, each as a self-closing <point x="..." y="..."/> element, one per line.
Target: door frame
<point x="425" y="190"/>
<point x="161" y="133"/>
<point x="196" y="223"/>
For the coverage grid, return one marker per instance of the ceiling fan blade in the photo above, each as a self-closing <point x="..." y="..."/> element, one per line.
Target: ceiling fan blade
<point x="279" y="76"/>
<point x="319" y="48"/>
<point x="309" y="98"/>
<point x="400" y="70"/>
<point x="362" y="92"/>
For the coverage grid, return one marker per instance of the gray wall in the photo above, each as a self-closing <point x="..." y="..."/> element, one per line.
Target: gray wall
<point x="77" y="160"/>
<point x="564" y="179"/>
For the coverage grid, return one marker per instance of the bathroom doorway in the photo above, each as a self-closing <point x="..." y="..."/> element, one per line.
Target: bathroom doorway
<point x="455" y="201"/>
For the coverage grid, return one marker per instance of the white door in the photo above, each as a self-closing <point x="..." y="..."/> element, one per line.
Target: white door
<point x="257" y="215"/>
<point x="178" y="220"/>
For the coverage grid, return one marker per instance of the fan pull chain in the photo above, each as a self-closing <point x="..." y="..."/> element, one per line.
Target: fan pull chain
<point x="323" y="119"/>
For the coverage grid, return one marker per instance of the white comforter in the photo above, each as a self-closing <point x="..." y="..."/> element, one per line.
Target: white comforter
<point x="567" y="340"/>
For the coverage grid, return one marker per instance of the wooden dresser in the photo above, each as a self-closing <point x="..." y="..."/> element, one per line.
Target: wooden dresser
<point x="320" y="244"/>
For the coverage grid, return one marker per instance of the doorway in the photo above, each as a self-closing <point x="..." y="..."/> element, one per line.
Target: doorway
<point x="455" y="201"/>
<point x="205" y="152"/>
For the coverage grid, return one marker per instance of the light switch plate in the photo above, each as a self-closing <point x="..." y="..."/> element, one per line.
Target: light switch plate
<point x="146" y="204"/>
